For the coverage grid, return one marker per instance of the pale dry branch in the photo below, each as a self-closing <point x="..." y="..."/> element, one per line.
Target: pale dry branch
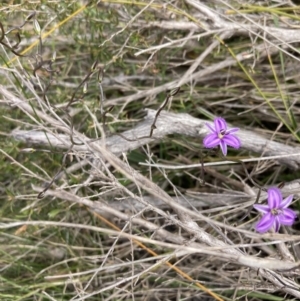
<point x="168" y="123"/>
<point x="203" y="199"/>
<point x="168" y="25"/>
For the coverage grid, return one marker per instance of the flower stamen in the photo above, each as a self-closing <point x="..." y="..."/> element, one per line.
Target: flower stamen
<point x="222" y="134"/>
<point x="275" y="211"/>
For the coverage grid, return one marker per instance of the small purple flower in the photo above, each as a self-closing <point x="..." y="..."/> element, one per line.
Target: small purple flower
<point x="221" y="136"/>
<point x="276" y="213"/>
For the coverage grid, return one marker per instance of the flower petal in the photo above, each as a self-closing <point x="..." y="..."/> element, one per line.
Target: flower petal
<point x="274" y="197"/>
<point x="211" y="140"/>
<point x="276" y="224"/>
<point x="210" y="127"/>
<point x="223" y="146"/>
<point x="265" y="223"/>
<point x="287" y="217"/>
<point x="286" y="202"/>
<point x="232" y="141"/>
<point x="220" y="124"/>
<point x="262" y="208"/>
<point x="233" y="130"/>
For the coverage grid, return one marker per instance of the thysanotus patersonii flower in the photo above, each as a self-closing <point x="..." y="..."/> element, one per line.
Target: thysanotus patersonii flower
<point x="276" y="213"/>
<point x="222" y="136"/>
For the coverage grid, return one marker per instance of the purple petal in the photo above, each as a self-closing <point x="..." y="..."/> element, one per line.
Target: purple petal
<point x="262" y="208"/>
<point x="265" y="223"/>
<point x="220" y="124"/>
<point x="233" y="130"/>
<point x="211" y="140"/>
<point x="223" y="146"/>
<point x="286" y="202"/>
<point x="276" y="224"/>
<point x="210" y="127"/>
<point x="287" y="217"/>
<point x="232" y="141"/>
<point x="274" y="197"/>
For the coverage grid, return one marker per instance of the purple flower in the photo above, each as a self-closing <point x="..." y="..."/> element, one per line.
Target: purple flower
<point x="276" y="213"/>
<point x="221" y="136"/>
